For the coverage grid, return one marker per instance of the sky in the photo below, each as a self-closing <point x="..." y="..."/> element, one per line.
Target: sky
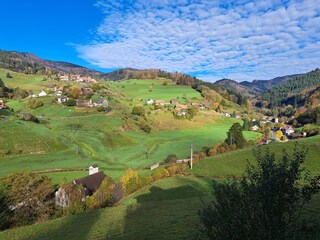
<point x="210" y="39"/>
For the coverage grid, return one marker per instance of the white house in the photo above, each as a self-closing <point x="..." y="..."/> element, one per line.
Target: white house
<point x="42" y="94"/>
<point x="150" y="101"/>
<point x="62" y="99"/>
<point x="90" y="185"/>
<point x="255" y="128"/>
<point x="227" y="115"/>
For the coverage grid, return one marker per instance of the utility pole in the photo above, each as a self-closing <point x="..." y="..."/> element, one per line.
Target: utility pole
<point x="191" y="156"/>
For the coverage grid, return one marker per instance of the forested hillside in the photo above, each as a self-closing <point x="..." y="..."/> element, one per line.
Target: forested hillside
<point x="293" y="91"/>
<point x="28" y="63"/>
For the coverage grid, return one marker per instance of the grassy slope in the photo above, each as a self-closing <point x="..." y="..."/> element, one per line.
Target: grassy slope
<point x="53" y="144"/>
<point x="165" y="210"/>
<point x="139" y="89"/>
<point x="24" y="81"/>
<point x="233" y="163"/>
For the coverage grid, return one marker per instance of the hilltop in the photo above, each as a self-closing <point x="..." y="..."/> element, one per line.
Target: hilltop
<point x="254" y="88"/>
<point x="29" y="63"/>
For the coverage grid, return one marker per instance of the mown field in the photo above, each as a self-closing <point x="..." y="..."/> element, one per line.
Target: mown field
<point x="165" y="210"/>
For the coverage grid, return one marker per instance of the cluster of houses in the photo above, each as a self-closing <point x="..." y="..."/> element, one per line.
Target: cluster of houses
<point x="181" y="109"/>
<point x="90" y="185"/>
<point x="2" y="105"/>
<point x="62" y="98"/>
<point x="286" y="129"/>
<point x="76" y="78"/>
<point x="101" y="102"/>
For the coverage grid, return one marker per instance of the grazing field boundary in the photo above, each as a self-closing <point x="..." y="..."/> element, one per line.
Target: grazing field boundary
<point x="60" y="170"/>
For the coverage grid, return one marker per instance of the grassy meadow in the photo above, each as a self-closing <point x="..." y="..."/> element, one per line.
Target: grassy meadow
<point x="165" y="210"/>
<point x="69" y="137"/>
<point x="138" y="89"/>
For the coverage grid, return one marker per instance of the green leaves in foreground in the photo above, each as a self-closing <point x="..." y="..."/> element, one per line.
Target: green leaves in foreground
<point x="266" y="203"/>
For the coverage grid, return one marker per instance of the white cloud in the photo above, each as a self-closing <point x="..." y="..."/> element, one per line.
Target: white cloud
<point x="243" y="40"/>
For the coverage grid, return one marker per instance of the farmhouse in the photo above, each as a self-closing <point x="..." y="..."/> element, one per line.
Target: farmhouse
<point x="101" y="102"/>
<point x="150" y="101"/>
<point x="202" y="106"/>
<point x="89" y="183"/>
<point x="2" y="105"/>
<point x="77" y="78"/>
<point x="181" y="107"/>
<point x="174" y="101"/>
<point x="42" y="94"/>
<point x="227" y="115"/>
<point x="83" y="103"/>
<point x="62" y="99"/>
<point x="287" y="130"/>
<point x="255" y="128"/>
<point x="64" y="77"/>
<point x="181" y="113"/>
<point x="160" y="102"/>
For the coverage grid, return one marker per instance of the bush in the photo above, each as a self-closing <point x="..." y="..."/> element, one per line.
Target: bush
<point x="145" y="127"/>
<point x="171" y="158"/>
<point x="102" y="109"/>
<point x="160" y="174"/>
<point x="172" y="170"/>
<point x="27" y="117"/>
<point x="34" y="103"/>
<point x="130" y="181"/>
<point x="140" y="111"/>
<point x="70" y="102"/>
<point x="8" y="75"/>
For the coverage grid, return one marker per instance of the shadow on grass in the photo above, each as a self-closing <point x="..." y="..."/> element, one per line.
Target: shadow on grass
<point x="71" y="227"/>
<point x="166" y="213"/>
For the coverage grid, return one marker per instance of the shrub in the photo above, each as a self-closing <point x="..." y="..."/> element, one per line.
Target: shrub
<point x="22" y="115"/>
<point x="213" y="151"/>
<point x="140" y="111"/>
<point x="160" y="174"/>
<point x="171" y="158"/>
<point x="130" y="181"/>
<point x="145" y="127"/>
<point x="70" y="102"/>
<point x="181" y="168"/>
<point x="34" y="103"/>
<point x="172" y="170"/>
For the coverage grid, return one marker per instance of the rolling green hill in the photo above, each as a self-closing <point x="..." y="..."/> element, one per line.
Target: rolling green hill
<point x="168" y="208"/>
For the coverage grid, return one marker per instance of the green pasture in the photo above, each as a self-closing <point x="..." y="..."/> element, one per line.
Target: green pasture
<point x="24" y="81"/>
<point x="139" y="89"/>
<point x="234" y="162"/>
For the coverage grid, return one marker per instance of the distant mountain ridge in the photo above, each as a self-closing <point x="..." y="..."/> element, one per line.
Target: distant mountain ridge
<point x="254" y="88"/>
<point x="264" y="85"/>
<point x="236" y="87"/>
<point x="31" y="64"/>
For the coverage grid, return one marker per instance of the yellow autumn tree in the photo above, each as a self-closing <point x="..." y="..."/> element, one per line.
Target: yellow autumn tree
<point x="279" y="134"/>
<point x="103" y="196"/>
<point x="130" y="181"/>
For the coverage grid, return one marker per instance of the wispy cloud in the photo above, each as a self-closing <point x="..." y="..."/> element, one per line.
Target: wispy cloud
<point x="242" y="40"/>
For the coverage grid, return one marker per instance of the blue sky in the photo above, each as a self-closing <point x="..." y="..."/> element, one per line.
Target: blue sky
<point x="210" y="39"/>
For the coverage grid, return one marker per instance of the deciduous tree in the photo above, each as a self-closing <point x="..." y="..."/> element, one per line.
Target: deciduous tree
<point x="265" y="204"/>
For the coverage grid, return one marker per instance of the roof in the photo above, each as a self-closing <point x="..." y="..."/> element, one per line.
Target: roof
<point x="91" y="182"/>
